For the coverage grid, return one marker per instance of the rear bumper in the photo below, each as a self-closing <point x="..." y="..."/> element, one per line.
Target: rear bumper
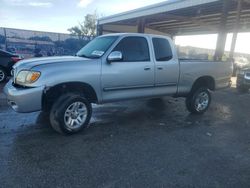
<point x="24" y="99"/>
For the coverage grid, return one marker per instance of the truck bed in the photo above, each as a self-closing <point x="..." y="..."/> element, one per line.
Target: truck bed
<point x="192" y="69"/>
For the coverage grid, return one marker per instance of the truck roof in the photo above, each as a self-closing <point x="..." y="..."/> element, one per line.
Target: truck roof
<point x="134" y="34"/>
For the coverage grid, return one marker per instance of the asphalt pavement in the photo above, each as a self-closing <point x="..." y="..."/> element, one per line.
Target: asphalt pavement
<point x="141" y="143"/>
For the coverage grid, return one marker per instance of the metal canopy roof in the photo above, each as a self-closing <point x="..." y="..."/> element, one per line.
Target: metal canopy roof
<point x="179" y="17"/>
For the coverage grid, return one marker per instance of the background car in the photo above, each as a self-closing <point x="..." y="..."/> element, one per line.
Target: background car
<point x="7" y="60"/>
<point x="243" y="80"/>
<point x="239" y="64"/>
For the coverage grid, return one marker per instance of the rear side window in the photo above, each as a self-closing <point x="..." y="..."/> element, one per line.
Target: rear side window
<point x="162" y="49"/>
<point x="133" y="49"/>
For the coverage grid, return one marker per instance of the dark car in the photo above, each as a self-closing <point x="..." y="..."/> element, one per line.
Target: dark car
<point x="7" y="60"/>
<point x="239" y="64"/>
<point x="243" y="80"/>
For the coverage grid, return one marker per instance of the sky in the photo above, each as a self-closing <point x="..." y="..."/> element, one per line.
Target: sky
<point x="209" y="41"/>
<point x="59" y="15"/>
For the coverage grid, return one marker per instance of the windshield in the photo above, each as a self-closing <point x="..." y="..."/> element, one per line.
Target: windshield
<point x="97" y="47"/>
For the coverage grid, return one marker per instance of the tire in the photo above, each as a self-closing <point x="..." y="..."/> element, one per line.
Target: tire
<point x="194" y="102"/>
<point x="3" y="75"/>
<point x="66" y="115"/>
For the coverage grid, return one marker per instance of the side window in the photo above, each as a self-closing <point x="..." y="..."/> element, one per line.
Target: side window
<point x="133" y="49"/>
<point x="162" y="49"/>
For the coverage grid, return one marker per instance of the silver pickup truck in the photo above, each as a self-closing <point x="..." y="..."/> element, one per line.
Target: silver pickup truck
<point x="112" y="68"/>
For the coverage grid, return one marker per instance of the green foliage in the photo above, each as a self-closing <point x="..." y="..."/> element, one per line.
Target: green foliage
<point x="86" y="28"/>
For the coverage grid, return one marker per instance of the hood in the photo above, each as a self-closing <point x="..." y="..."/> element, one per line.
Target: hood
<point x="29" y="63"/>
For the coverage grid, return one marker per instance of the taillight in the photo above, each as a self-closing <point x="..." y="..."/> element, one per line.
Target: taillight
<point x="16" y="59"/>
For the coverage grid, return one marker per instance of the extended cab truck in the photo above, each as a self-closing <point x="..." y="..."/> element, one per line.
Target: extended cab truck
<point x="112" y="68"/>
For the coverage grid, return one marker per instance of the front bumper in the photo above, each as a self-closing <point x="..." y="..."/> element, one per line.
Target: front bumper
<point x="24" y="99"/>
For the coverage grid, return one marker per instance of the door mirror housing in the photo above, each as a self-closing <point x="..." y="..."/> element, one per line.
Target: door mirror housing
<point x="114" y="56"/>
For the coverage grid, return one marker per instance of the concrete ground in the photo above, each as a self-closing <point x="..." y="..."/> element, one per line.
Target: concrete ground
<point x="146" y="143"/>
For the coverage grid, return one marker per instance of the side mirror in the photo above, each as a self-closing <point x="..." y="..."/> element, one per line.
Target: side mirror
<point x="114" y="56"/>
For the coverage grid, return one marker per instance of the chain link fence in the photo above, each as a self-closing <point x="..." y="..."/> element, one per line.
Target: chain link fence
<point x="32" y="43"/>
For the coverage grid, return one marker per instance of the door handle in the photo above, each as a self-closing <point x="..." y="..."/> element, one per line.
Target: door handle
<point x="159" y="68"/>
<point x="147" y="68"/>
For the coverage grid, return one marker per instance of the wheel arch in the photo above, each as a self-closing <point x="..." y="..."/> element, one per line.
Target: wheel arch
<point x="50" y="94"/>
<point x="204" y="81"/>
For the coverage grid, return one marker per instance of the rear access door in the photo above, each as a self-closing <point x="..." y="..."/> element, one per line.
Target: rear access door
<point x="166" y="66"/>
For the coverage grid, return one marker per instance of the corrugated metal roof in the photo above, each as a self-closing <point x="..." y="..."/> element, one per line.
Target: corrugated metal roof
<point x="154" y="9"/>
<point x="180" y="17"/>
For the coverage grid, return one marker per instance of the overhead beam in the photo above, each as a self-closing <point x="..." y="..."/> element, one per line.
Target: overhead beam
<point x="204" y="18"/>
<point x="209" y="22"/>
<point x="192" y="20"/>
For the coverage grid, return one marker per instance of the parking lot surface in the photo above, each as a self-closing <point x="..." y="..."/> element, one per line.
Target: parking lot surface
<point x="142" y="143"/>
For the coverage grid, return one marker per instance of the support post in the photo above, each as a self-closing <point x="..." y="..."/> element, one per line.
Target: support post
<point x="222" y="34"/>
<point x="141" y="25"/>
<point x="236" y="29"/>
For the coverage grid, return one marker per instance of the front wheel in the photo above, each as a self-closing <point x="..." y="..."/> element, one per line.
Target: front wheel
<point x="198" y="101"/>
<point x="70" y="114"/>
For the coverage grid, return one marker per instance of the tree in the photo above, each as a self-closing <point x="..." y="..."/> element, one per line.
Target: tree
<point x="86" y="28"/>
<point x="71" y="45"/>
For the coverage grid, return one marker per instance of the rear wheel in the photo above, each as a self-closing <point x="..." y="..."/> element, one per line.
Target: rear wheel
<point x="198" y="101"/>
<point x="3" y="75"/>
<point x="70" y="113"/>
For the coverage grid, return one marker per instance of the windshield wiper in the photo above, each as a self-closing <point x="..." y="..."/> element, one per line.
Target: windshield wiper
<point x="82" y="55"/>
<point x="89" y="57"/>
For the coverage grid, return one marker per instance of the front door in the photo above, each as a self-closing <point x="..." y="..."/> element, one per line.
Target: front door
<point x="133" y="75"/>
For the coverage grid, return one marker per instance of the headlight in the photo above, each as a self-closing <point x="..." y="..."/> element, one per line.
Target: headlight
<point x="27" y="77"/>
